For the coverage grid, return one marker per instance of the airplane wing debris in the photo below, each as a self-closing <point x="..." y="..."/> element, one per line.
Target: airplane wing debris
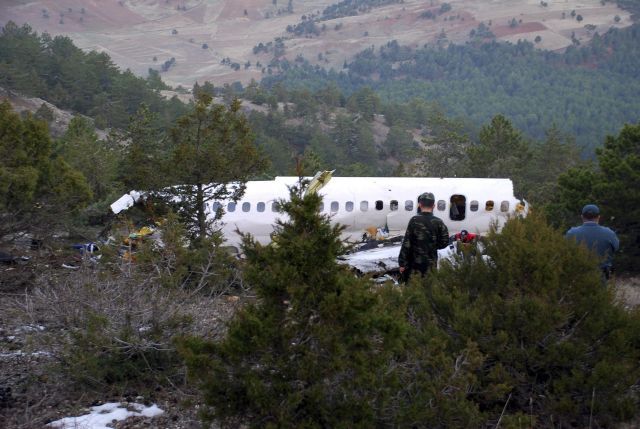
<point x="373" y="261"/>
<point x="319" y="180"/>
<point x="125" y="201"/>
<point x="381" y="260"/>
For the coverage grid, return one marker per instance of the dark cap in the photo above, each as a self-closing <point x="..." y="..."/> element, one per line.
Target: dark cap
<point x="426" y="198"/>
<point x="590" y="210"/>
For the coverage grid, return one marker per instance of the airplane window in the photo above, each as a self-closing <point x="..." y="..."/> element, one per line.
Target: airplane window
<point x="260" y="207"/>
<point x="458" y="207"/>
<point x="215" y="207"/>
<point x="275" y="206"/>
<point x="442" y="204"/>
<point x="393" y="205"/>
<point x="246" y="207"/>
<point x="231" y="207"/>
<point x="334" y="206"/>
<point x="379" y="205"/>
<point x="504" y="206"/>
<point x="488" y="206"/>
<point x="473" y="206"/>
<point x="349" y="206"/>
<point x="321" y="209"/>
<point x="408" y="205"/>
<point x="364" y="206"/>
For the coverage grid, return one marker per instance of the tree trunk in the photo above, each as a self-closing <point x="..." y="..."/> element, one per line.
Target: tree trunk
<point x="202" y="217"/>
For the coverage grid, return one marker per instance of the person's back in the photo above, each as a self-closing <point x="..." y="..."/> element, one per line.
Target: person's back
<point x="425" y="235"/>
<point x="602" y="240"/>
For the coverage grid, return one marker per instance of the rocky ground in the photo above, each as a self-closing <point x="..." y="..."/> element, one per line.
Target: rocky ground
<point x="60" y="119"/>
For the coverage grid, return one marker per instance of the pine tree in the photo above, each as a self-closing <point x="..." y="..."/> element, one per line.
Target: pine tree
<point x="550" y="158"/>
<point x="501" y="152"/>
<point x="210" y="148"/>
<point x="38" y="189"/>
<point x="446" y="146"/>
<point x="94" y="158"/>
<point x="312" y="352"/>
<point x="618" y="190"/>
<point x="141" y="168"/>
<point x="613" y="186"/>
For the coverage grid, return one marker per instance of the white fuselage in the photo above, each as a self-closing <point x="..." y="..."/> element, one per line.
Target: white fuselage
<point x="362" y="203"/>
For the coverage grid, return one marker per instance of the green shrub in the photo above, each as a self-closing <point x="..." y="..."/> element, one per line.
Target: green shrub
<point x="550" y="335"/>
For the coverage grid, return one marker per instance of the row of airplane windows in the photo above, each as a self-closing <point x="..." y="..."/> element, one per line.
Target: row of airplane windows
<point x="457" y="207"/>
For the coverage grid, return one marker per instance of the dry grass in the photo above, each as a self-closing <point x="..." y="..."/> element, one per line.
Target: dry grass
<point x="48" y="331"/>
<point x="628" y="291"/>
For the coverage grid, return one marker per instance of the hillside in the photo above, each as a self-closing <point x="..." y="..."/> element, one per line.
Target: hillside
<point x="215" y="39"/>
<point x="57" y="119"/>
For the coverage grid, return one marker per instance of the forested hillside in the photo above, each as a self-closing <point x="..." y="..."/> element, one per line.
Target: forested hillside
<point x="55" y="70"/>
<point x="589" y="91"/>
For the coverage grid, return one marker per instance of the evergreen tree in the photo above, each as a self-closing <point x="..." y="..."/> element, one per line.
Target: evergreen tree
<point x="550" y="158"/>
<point x="613" y="186"/>
<point x="94" y="158"/>
<point x="501" y="152"/>
<point x="211" y="156"/>
<point x="319" y="348"/>
<point x="399" y="142"/>
<point x="144" y="147"/>
<point x="445" y="150"/>
<point x="618" y="190"/>
<point x="364" y="102"/>
<point x="38" y="189"/>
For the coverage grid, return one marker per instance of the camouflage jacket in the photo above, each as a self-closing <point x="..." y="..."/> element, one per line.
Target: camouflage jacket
<point x="425" y="235"/>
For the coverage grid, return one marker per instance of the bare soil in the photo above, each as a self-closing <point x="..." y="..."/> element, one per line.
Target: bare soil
<point x="61" y="118"/>
<point x="133" y="32"/>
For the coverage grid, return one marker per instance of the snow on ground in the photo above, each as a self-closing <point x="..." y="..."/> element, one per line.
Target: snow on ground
<point x="102" y="415"/>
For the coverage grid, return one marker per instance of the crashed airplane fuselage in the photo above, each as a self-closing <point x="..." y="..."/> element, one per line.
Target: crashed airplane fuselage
<point x="364" y="204"/>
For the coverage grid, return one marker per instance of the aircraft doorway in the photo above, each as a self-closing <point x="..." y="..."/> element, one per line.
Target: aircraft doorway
<point x="457" y="210"/>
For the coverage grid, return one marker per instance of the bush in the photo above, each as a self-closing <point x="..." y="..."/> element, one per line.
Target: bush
<point x="310" y="352"/>
<point x="114" y="323"/>
<point x="551" y="337"/>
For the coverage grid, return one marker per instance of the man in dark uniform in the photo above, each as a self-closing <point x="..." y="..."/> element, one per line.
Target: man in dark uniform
<point x="603" y="241"/>
<point x="425" y="235"/>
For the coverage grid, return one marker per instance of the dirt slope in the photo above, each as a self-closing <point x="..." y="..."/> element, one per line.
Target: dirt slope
<point x="199" y="34"/>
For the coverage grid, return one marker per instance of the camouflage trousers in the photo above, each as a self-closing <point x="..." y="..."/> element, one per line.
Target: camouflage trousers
<point x="423" y="269"/>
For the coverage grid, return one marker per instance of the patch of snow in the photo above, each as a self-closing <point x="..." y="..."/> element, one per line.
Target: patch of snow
<point x="102" y="415"/>
<point x="20" y="353"/>
<point x="151" y="411"/>
<point x="30" y="328"/>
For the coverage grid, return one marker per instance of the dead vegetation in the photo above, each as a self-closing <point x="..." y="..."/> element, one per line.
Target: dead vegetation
<point x="72" y="339"/>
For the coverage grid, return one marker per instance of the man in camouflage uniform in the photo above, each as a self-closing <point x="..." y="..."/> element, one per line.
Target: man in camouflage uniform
<point x="425" y="235"/>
